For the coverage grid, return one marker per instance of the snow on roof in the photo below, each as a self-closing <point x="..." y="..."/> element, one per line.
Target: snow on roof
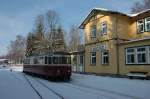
<point x="98" y="9"/>
<point x="106" y="10"/>
<point x="3" y="60"/>
<point x="136" y="14"/>
<point x="101" y="9"/>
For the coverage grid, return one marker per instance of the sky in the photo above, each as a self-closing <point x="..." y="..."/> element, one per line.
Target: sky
<point x="18" y="16"/>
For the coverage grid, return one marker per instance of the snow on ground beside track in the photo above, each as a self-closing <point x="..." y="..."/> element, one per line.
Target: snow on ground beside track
<point x="17" y="68"/>
<point x="73" y="93"/>
<point x="123" y="86"/>
<point x="14" y="86"/>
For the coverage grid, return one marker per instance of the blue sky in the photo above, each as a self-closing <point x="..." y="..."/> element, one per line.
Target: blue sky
<point x="17" y="16"/>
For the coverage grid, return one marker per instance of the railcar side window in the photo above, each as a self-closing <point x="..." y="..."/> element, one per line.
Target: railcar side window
<point x="46" y="60"/>
<point x="55" y="60"/>
<point x="49" y="60"/>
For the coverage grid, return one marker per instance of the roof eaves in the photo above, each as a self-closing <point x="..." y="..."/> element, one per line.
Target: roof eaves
<point x="136" y="14"/>
<point x="81" y="26"/>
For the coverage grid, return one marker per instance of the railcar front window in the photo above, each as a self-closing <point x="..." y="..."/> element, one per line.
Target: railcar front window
<point x="64" y="60"/>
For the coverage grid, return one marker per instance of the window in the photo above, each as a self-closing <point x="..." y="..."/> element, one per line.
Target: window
<point x="50" y="60"/>
<point x="93" y="31"/>
<point x="103" y="28"/>
<point x="138" y="55"/>
<point x="130" y="56"/>
<point x="147" y="24"/>
<point x="149" y="55"/>
<point x="81" y="59"/>
<point x="93" y="58"/>
<point x="141" y="55"/>
<point x="140" y="26"/>
<point x="105" y="58"/>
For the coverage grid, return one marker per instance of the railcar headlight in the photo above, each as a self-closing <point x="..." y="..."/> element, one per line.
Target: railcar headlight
<point x="69" y="71"/>
<point x="58" y="71"/>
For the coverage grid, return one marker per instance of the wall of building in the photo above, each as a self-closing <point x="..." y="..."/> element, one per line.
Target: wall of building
<point x="118" y="26"/>
<point x="76" y="64"/>
<point x="100" y="68"/>
<point x="99" y="18"/>
<point x="125" y="68"/>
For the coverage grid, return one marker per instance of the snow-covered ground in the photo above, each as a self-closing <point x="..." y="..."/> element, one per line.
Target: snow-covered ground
<point x="16" y="85"/>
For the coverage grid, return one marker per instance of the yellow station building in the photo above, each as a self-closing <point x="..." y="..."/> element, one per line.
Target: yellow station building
<point x="117" y="43"/>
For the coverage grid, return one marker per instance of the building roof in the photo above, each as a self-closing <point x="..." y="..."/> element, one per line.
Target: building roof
<point x="1" y="60"/>
<point x="90" y="14"/>
<point x="136" y="14"/>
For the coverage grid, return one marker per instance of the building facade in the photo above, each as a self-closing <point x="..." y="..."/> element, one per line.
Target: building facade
<point x="116" y="43"/>
<point x="78" y="59"/>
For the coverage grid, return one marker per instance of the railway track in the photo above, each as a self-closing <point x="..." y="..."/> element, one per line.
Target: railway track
<point x="81" y="87"/>
<point x="102" y="90"/>
<point x="44" y="85"/>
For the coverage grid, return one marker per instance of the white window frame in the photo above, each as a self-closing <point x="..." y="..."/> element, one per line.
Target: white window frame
<point x="147" y="22"/>
<point x="81" y="58"/>
<point x="130" y="53"/>
<point x="93" y="51"/>
<point x="104" y="26"/>
<point x="103" y="56"/>
<point x="142" y="52"/>
<point x="92" y="58"/>
<point x="136" y="52"/>
<point x="138" y="24"/>
<point x="148" y="54"/>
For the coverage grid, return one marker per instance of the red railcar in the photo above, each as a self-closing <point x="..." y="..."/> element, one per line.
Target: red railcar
<point x="56" y="65"/>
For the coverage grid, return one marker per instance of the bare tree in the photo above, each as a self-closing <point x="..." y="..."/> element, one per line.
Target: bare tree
<point x="17" y="49"/>
<point x="138" y="6"/>
<point x="52" y="20"/>
<point x="48" y="35"/>
<point x="75" y="39"/>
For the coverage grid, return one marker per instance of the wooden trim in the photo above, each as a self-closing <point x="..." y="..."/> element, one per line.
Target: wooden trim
<point x="99" y="41"/>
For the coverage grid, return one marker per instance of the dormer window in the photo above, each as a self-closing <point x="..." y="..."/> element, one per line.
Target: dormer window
<point x="140" y="26"/>
<point x="93" y="31"/>
<point x="104" y="28"/>
<point x="147" y="24"/>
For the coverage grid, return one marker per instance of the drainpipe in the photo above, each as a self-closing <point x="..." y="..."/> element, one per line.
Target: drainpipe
<point x="84" y="61"/>
<point x="117" y="47"/>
